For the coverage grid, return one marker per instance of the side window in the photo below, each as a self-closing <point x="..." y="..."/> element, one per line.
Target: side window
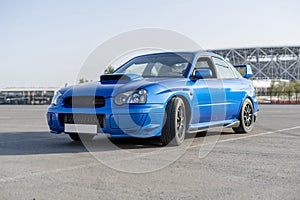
<point x="156" y="68"/>
<point x="136" y="69"/>
<point x="223" y="70"/>
<point x="205" y="63"/>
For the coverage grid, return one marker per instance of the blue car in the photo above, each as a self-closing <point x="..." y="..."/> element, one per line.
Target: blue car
<point x="163" y="94"/>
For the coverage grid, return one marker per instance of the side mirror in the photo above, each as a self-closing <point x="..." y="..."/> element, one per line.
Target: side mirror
<point x="244" y="70"/>
<point x="202" y="73"/>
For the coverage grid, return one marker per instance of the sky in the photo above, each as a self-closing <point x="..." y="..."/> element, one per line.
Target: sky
<point x="45" y="43"/>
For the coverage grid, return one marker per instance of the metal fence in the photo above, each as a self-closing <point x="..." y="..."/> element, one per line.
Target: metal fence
<point x="278" y="97"/>
<point x="38" y="97"/>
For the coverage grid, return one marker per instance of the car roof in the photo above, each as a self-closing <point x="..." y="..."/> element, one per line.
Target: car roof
<point x="195" y="53"/>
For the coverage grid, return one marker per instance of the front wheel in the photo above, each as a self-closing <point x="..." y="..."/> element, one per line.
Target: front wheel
<point x="174" y="129"/>
<point x="246" y="118"/>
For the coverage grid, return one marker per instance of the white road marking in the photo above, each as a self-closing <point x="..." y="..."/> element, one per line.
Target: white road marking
<point x="1" y="118"/>
<point x="24" y="140"/>
<point x="7" y="179"/>
<point x="248" y="136"/>
<point x="213" y="143"/>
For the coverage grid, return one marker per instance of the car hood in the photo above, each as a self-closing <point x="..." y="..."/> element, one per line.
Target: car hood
<point x="110" y="85"/>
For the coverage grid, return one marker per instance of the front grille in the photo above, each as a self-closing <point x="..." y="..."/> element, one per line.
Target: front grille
<point x="84" y="101"/>
<point x="94" y="119"/>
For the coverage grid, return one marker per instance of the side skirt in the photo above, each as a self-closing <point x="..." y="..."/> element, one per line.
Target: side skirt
<point x="206" y="125"/>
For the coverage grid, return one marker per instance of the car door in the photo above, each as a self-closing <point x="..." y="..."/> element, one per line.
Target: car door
<point x="232" y="87"/>
<point x="209" y="96"/>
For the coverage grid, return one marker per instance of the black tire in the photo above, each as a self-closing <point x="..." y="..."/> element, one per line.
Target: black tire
<point x="246" y="118"/>
<point x="174" y="129"/>
<point x="82" y="137"/>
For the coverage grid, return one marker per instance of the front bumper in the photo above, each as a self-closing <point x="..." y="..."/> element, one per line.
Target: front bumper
<point x="129" y="120"/>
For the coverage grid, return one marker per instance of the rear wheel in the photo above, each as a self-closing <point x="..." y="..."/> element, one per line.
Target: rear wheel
<point x="81" y="137"/>
<point x="174" y="128"/>
<point x="246" y="118"/>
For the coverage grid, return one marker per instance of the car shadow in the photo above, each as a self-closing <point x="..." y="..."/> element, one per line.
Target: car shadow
<point x="27" y="143"/>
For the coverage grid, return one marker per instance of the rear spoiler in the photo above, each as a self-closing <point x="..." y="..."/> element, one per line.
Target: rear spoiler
<point x="245" y="70"/>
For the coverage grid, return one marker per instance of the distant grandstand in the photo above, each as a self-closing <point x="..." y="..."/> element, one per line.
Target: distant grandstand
<point x="280" y="63"/>
<point x="25" y="96"/>
<point x="267" y="62"/>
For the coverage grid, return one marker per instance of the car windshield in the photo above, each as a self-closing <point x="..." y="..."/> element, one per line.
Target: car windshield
<point x="159" y="65"/>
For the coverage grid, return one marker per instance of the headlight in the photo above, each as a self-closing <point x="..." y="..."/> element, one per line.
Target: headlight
<point x="132" y="97"/>
<point x="56" y="98"/>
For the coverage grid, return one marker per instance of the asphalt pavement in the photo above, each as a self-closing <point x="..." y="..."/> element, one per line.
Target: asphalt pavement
<point x="265" y="164"/>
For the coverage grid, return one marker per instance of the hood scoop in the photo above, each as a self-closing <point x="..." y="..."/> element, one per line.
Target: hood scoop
<point x="118" y="78"/>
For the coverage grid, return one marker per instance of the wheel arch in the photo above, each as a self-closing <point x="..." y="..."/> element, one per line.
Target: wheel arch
<point x="242" y="102"/>
<point x="186" y="104"/>
<point x="253" y="104"/>
<point x="243" y="127"/>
